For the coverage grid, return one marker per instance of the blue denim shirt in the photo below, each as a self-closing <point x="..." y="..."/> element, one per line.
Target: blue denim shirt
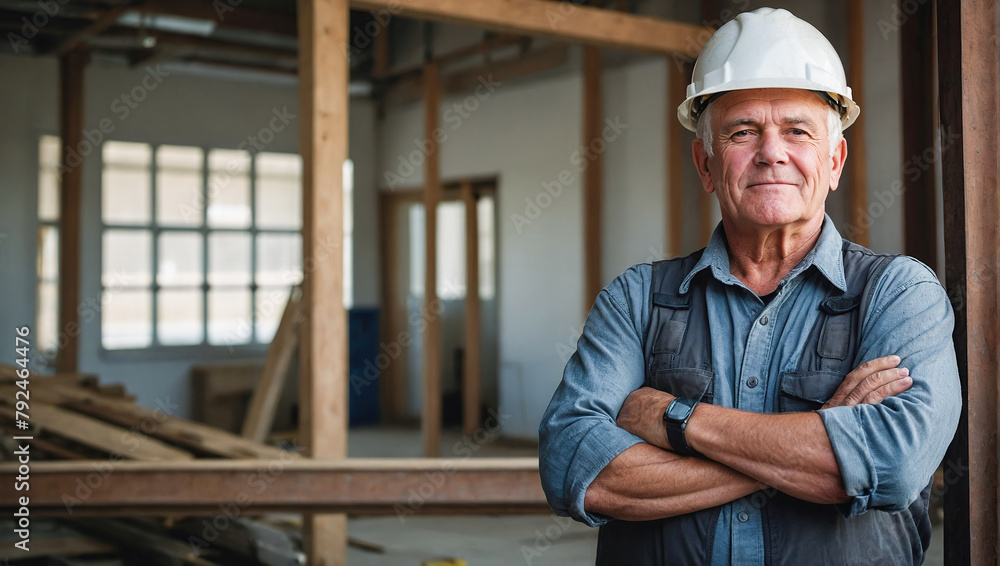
<point x="886" y="452"/>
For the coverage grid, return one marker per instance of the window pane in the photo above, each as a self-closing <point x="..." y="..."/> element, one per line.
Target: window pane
<point x="279" y="259"/>
<point x="179" y="317"/>
<point x="48" y="178"/>
<point x="487" y="247"/>
<point x="127" y="258"/>
<point x="451" y="250"/>
<point x="229" y="316"/>
<point x="269" y="308"/>
<point x="48" y="315"/>
<point x="126" y="318"/>
<point x="228" y="258"/>
<point x="179" y="200"/>
<point x="179" y="259"/>
<point x="279" y="190"/>
<point x="416" y="221"/>
<point x="48" y="253"/>
<point x="228" y="188"/>
<point x="126" y="183"/>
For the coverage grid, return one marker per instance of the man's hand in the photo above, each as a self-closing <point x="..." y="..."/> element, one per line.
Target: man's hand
<point x="642" y="415"/>
<point x="870" y="383"/>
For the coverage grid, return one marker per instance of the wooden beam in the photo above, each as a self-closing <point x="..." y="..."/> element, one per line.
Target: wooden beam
<point x="94" y="433"/>
<point x="430" y="421"/>
<point x="969" y="99"/>
<point x="71" y="89"/>
<point x="103" y="22"/>
<point x="264" y="403"/>
<point x="677" y="79"/>
<point x="155" y="422"/>
<point x="323" y="81"/>
<point x="857" y="165"/>
<point x="471" y="404"/>
<point x="593" y="175"/>
<point x="393" y="387"/>
<point x="564" y="21"/>
<point x="228" y="16"/>
<point x="916" y="36"/>
<point x="376" y="486"/>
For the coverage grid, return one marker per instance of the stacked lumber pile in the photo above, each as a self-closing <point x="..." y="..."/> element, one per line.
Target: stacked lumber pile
<point x="75" y="417"/>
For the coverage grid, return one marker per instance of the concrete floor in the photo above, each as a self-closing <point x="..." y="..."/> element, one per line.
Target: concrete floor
<point x="535" y="540"/>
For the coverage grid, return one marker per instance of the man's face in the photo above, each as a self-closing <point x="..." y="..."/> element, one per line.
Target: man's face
<point x="771" y="164"/>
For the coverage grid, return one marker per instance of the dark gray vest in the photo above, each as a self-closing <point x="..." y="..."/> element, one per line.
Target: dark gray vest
<point x="678" y="355"/>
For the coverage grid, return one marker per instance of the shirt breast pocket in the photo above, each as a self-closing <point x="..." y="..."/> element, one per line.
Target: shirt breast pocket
<point x="694" y="383"/>
<point x="803" y="391"/>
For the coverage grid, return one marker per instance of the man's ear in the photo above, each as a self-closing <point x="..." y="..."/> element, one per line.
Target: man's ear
<point x="701" y="159"/>
<point x="837" y="163"/>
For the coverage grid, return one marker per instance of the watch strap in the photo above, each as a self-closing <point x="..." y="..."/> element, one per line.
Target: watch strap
<point x="676" y="427"/>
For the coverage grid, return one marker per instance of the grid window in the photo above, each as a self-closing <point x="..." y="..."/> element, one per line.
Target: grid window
<point x="200" y="246"/>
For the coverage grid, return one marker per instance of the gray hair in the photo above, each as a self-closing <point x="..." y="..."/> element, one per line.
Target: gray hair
<point x="834" y="128"/>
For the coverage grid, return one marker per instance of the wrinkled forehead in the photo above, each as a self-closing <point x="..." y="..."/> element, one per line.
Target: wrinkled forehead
<point x="770" y="104"/>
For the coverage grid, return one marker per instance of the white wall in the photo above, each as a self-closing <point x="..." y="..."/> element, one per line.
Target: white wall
<point x="180" y="110"/>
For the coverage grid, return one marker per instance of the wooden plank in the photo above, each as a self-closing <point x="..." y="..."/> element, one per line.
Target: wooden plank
<point x="156" y="422"/>
<point x="430" y="418"/>
<point x="472" y="417"/>
<point x="678" y="73"/>
<point x="920" y="235"/>
<point x="375" y="486"/>
<point x="857" y="166"/>
<point x="969" y="98"/>
<point x="226" y="15"/>
<point x="593" y="175"/>
<point x="97" y="434"/>
<point x="323" y="385"/>
<point x="393" y="387"/>
<point x="152" y="546"/>
<point x="565" y="21"/>
<point x="263" y="404"/>
<point x="71" y="89"/>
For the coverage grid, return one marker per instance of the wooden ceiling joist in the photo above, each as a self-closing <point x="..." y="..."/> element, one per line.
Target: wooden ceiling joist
<point x="565" y="21"/>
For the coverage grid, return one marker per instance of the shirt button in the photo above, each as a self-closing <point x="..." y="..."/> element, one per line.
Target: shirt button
<point x="743" y="517"/>
<point x="752" y="382"/>
<point x="763" y="321"/>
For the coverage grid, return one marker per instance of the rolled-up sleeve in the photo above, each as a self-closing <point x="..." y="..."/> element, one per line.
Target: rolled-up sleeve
<point x="578" y="435"/>
<point x="888" y="452"/>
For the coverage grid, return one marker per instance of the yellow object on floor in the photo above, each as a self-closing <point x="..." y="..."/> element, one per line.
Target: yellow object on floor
<point x="447" y="562"/>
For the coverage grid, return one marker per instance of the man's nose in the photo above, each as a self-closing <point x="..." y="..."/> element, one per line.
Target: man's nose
<point x="771" y="149"/>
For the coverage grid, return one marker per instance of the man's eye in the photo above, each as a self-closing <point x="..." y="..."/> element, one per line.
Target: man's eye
<point x="798" y="132"/>
<point x="741" y="133"/>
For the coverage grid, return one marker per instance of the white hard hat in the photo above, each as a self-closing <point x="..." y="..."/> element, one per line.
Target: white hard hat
<point x="767" y="48"/>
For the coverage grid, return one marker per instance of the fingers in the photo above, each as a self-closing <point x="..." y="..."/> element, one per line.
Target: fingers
<point x="857" y="376"/>
<point x="880" y="385"/>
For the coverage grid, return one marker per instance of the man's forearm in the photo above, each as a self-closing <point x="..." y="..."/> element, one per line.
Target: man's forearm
<point x="645" y="483"/>
<point x="789" y="451"/>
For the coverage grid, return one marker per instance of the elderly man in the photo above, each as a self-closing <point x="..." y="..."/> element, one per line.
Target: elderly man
<point x="782" y="396"/>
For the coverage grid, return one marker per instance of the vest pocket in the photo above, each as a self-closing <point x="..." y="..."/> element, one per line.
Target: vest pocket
<point x="694" y="383"/>
<point x="803" y="391"/>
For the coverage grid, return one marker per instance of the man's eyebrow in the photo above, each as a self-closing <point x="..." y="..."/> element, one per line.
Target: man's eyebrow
<point x="793" y="120"/>
<point x="740" y="122"/>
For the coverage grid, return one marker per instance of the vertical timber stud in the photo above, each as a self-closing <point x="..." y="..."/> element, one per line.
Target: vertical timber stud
<point x="857" y="168"/>
<point x="71" y="67"/>
<point x="323" y="77"/>
<point x="919" y="133"/>
<point x="592" y="175"/>
<point x="471" y="417"/>
<point x="967" y="78"/>
<point x="677" y="78"/>
<point x="431" y="416"/>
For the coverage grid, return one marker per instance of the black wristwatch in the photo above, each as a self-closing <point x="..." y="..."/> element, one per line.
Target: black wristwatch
<point x="675" y="419"/>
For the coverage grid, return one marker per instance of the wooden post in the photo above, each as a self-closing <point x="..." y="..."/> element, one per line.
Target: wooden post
<point x="71" y="68"/>
<point x="471" y="415"/>
<point x="919" y="134"/>
<point x="593" y="115"/>
<point x="967" y="56"/>
<point x="392" y="387"/>
<point x="323" y="78"/>
<point x="857" y="167"/>
<point x="431" y="417"/>
<point x="677" y="78"/>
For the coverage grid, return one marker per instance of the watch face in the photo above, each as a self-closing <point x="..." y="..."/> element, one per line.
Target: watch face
<point x="678" y="411"/>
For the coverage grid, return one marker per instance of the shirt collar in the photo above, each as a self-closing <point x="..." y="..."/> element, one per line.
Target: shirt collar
<point x="827" y="255"/>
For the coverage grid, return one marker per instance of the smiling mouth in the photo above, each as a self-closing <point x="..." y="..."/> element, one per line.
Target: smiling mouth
<point x="769" y="184"/>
